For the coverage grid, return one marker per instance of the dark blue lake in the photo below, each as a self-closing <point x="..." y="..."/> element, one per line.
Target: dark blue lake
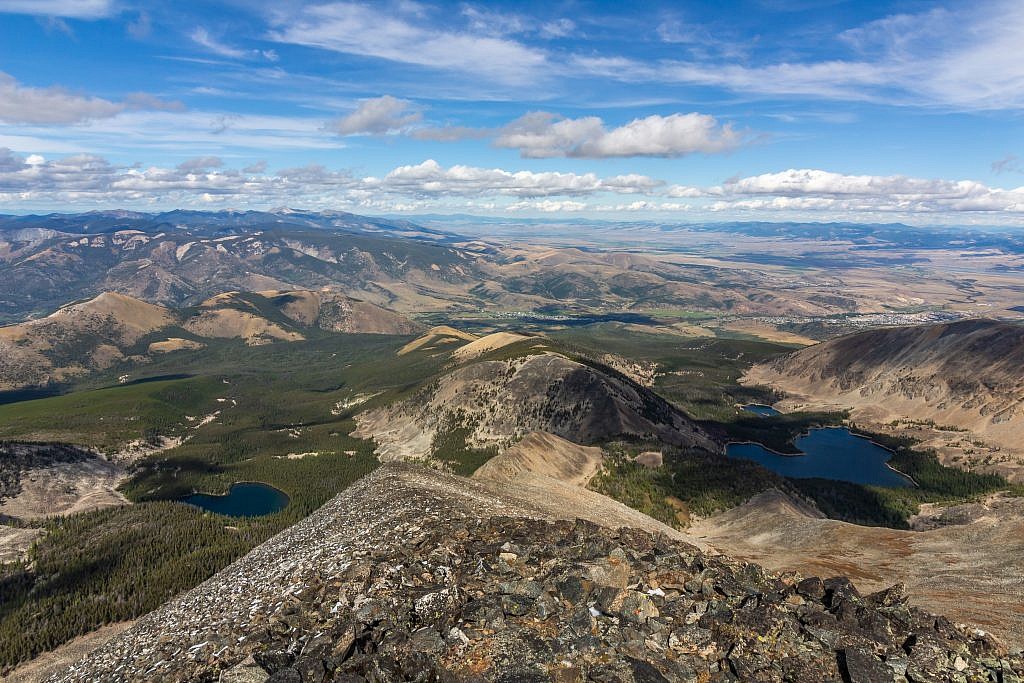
<point x="828" y="453"/>
<point x="761" y="409"/>
<point x="245" y="499"/>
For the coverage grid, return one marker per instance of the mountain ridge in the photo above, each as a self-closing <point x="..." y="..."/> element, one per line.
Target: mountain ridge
<point x="410" y="571"/>
<point x="493" y="401"/>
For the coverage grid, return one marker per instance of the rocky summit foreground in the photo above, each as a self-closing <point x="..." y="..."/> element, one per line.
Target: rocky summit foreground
<point x="414" y="575"/>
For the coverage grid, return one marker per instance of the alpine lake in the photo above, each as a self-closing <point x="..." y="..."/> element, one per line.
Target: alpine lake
<point x="243" y="499"/>
<point x="826" y="453"/>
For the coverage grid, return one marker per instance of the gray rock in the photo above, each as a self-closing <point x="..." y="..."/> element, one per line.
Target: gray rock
<point x="246" y="672"/>
<point x="861" y="666"/>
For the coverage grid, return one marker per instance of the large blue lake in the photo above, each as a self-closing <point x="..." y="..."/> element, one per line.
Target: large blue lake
<point x="245" y="499"/>
<point x="828" y="453"/>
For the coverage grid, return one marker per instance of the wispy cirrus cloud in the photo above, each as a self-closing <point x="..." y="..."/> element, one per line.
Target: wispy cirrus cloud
<point x="202" y="37"/>
<point x="962" y="58"/>
<point x="399" y="33"/>
<point x="67" y="9"/>
<point x="141" y="133"/>
<point x="490" y="22"/>
<point x="1011" y="163"/>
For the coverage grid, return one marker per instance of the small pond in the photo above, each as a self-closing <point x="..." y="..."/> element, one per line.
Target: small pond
<point x="244" y="499"/>
<point x="828" y="453"/>
<point x="761" y="409"/>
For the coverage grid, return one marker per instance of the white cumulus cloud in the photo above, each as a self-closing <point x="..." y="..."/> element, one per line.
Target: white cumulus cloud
<point x="92" y="178"/>
<point x="824" y="190"/>
<point x="377" y="116"/>
<point x="545" y="135"/>
<point x="89" y="180"/>
<point x="430" y="178"/>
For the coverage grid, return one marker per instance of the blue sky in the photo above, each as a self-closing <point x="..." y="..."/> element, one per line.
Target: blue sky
<point x="751" y="110"/>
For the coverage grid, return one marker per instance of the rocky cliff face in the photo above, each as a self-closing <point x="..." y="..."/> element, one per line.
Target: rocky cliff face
<point x="415" y="575"/>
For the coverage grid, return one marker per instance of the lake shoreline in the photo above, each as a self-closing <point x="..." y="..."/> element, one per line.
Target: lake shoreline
<point x="815" y="458"/>
<point x="242" y="499"/>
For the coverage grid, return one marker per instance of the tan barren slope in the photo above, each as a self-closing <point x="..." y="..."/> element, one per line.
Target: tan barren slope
<point x="96" y="334"/>
<point x="547" y="455"/>
<point x="76" y="338"/>
<point x="339" y="313"/>
<point x="437" y="338"/>
<point x="491" y="342"/>
<point x="970" y="572"/>
<point x="552" y="474"/>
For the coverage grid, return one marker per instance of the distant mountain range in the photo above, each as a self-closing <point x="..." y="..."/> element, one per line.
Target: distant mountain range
<point x="214" y="223"/>
<point x="184" y="257"/>
<point x="181" y="258"/>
